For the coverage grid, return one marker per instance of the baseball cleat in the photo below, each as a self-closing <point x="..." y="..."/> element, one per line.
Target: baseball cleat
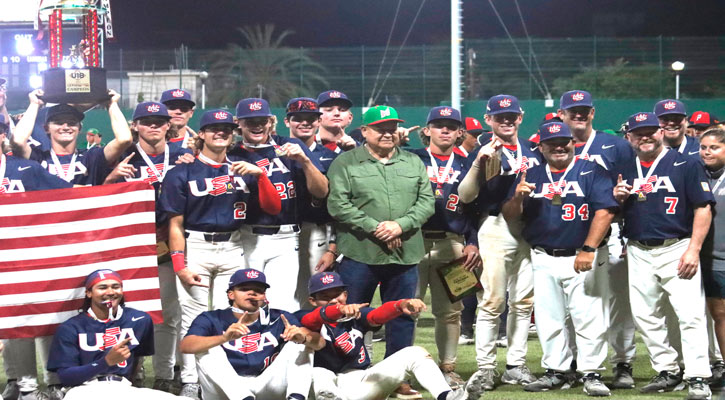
<point x="593" y="385"/>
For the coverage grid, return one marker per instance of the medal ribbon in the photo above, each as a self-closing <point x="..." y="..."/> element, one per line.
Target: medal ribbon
<point x="63" y="174"/>
<point x="645" y="183"/>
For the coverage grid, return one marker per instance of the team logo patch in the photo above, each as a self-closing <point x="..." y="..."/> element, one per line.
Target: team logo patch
<point x="252" y="274"/>
<point x="699" y="117"/>
<point x="705" y="186"/>
<point x="670" y="105"/>
<point x="640" y="117"/>
<point x="504" y="103"/>
<point x="177" y="93"/>
<point x="445" y="112"/>
<point x="153" y="108"/>
<point x="578" y="96"/>
<point x="256" y="106"/>
<point x="220" y="115"/>
<point x="554" y="129"/>
<point x="335" y="95"/>
<point x="475" y="122"/>
<point x="327" y="279"/>
<point x="385" y="113"/>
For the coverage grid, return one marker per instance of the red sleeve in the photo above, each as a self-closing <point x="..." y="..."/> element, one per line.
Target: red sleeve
<point x="269" y="199"/>
<point x="385" y="313"/>
<point x="314" y="320"/>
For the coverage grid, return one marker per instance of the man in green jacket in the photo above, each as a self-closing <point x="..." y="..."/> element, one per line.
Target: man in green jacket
<point x="380" y="196"/>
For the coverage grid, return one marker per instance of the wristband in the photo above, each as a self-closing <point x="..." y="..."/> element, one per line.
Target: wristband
<point x="177" y="260"/>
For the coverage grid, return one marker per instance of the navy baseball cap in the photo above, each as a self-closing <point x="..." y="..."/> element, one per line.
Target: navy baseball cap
<point x="669" y="106"/>
<point x="303" y="105"/>
<point x="217" y="116"/>
<point x="63" y="109"/>
<point x="444" y="112"/>
<point x="253" y="107"/>
<point x="642" y="120"/>
<point x="331" y="95"/>
<point x="503" y="103"/>
<point x="323" y="281"/>
<point x="553" y="130"/>
<point x="575" y="98"/>
<point x="150" y="109"/>
<point x="247" y="276"/>
<point x="176" y="94"/>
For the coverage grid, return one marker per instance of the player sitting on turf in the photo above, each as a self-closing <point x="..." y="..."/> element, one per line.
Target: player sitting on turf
<point x="342" y="368"/>
<point x="248" y="350"/>
<point x="97" y="352"/>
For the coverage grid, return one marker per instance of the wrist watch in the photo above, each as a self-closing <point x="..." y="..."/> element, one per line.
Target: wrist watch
<point x="588" y="249"/>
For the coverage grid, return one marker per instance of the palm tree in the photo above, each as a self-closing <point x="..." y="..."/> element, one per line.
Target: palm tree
<point x="263" y="68"/>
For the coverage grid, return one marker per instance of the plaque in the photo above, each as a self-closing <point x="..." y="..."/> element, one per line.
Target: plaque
<point x="457" y="280"/>
<point x="556" y="200"/>
<point x="493" y="167"/>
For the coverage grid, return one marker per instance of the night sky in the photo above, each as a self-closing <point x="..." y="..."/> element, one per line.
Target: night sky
<point x="143" y="24"/>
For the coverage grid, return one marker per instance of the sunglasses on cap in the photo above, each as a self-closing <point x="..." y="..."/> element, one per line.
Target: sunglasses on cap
<point x="302" y="105"/>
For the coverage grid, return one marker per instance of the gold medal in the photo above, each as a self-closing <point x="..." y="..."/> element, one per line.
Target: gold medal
<point x="556" y="200"/>
<point x="279" y="152"/>
<point x="230" y="188"/>
<point x="641" y="196"/>
<point x="438" y="193"/>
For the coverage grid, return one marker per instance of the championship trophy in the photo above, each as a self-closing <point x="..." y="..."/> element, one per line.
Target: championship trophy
<point x="79" y="80"/>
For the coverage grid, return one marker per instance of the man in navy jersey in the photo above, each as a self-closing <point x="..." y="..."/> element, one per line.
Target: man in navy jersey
<point x="208" y="201"/>
<point x="667" y="212"/>
<point x="63" y="124"/>
<point x="249" y="350"/>
<point x="449" y="234"/>
<point x="506" y="256"/>
<point x="576" y="110"/>
<point x="473" y="129"/>
<point x="566" y="208"/>
<point x="181" y="109"/>
<point x="271" y="242"/>
<point x="343" y="366"/>
<point x="672" y="117"/>
<point x="97" y="352"/>
<point x="336" y="116"/>
<point x="318" y="250"/>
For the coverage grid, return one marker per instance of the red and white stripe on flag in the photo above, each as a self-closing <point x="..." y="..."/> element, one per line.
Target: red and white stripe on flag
<point x="50" y="240"/>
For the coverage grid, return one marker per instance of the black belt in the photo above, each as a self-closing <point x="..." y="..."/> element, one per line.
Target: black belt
<point x="657" y="242"/>
<point x="215" y="237"/>
<point x="434" y="235"/>
<point x="558" y="252"/>
<point x="109" y="378"/>
<point x="270" y="230"/>
<point x="493" y="213"/>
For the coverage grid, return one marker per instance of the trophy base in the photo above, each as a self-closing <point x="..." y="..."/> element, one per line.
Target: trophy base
<point x="75" y="86"/>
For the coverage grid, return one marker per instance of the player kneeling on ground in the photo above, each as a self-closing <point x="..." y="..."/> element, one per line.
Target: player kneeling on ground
<point x="97" y="352"/>
<point x="248" y="350"/>
<point x="342" y="368"/>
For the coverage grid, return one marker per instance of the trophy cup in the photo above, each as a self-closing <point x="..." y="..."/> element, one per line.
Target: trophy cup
<point x="82" y="81"/>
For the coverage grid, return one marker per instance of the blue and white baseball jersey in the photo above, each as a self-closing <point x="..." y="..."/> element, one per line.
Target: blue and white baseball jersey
<point x="180" y="142"/>
<point x="315" y="210"/>
<point x="690" y="146"/>
<point x="285" y="174"/>
<point x="609" y="151"/>
<point x="450" y="214"/>
<point x="662" y="204"/>
<point x="344" y="345"/>
<point x="208" y="197"/>
<point x="83" y="340"/>
<point x="254" y="352"/>
<point x="21" y="175"/>
<point x="584" y="189"/>
<point x="90" y="167"/>
<point x="493" y="193"/>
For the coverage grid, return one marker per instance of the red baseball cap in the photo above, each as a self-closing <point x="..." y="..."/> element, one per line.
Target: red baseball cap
<point x="473" y="126"/>
<point x="703" y="119"/>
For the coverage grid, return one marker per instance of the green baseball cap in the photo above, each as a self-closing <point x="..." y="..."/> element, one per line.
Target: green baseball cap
<point x="378" y="114"/>
<point x="93" y="131"/>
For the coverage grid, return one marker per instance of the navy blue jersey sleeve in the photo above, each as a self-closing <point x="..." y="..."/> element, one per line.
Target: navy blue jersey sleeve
<point x="292" y="318"/>
<point x="64" y="350"/>
<point x="42" y="179"/>
<point x="600" y="195"/>
<point x="145" y="337"/>
<point x="697" y="184"/>
<point x="97" y="165"/>
<point x="202" y="326"/>
<point x="174" y="191"/>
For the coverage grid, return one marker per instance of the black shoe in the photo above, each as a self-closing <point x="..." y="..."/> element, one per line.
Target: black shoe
<point x="623" y="376"/>
<point x="663" y="382"/>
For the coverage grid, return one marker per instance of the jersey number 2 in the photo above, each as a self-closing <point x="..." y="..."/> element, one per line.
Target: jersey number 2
<point x="286" y="192"/>
<point x="240" y="210"/>
<point x="452" y="202"/>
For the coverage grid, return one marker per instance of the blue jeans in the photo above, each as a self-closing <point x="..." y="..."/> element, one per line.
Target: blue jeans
<point x="396" y="282"/>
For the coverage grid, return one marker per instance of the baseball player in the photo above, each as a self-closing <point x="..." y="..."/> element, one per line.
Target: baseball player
<point x="207" y="201"/>
<point x="672" y="118"/>
<point x="93" y="138"/>
<point x="335" y="118"/>
<point x="701" y="121"/>
<point x="181" y="109"/>
<point x="576" y="110"/>
<point x="318" y="250"/>
<point x="63" y="123"/>
<point x="506" y="256"/>
<point x="97" y="351"/>
<point x="473" y="129"/>
<point x="566" y="208"/>
<point x="449" y="234"/>
<point x="249" y="350"/>
<point x="271" y="242"/>
<point x="343" y="367"/>
<point x="667" y="212"/>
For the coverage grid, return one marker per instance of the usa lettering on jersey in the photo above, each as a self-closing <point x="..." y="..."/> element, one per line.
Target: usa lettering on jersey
<point x="11" y="186"/>
<point x="252" y="343"/>
<point x="653" y="184"/>
<point x="550" y="189"/>
<point x="80" y="169"/>
<point x="452" y="176"/>
<point x="275" y="165"/>
<point x="107" y="339"/>
<point x="218" y="186"/>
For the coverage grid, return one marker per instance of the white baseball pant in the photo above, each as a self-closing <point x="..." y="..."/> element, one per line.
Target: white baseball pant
<point x="439" y="252"/>
<point x="313" y="245"/>
<point x="115" y="390"/>
<point x="653" y="281"/>
<point x="620" y="332"/>
<point x="277" y="256"/>
<point x="166" y="334"/>
<point x="19" y="358"/>
<point x="561" y="290"/>
<point x="215" y="262"/>
<point x="506" y="266"/>
<point x="290" y="372"/>
<point x="381" y="379"/>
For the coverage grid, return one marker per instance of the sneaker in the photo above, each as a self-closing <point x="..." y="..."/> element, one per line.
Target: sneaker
<point x="164" y="385"/>
<point x="699" y="390"/>
<point x="488" y="378"/>
<point x="593" y="385"/>
<point x="406" y="392"/>
<point x="502" y="342"/>
<point x="520" y="375"/>
<point x="622" y="376"/>
<point x="717" y="370"/>
<point x="465" y="339"/>
<point x="471" y="390"/>
<point x="453" y="379"/>
<point x="55" y="392"/>
<point x="325" y="395"/>
<point x="548" y="381"/>
<point x="12" y="391"/>
<point x="36" y="394"/>
<point x="190" y="390"/>
<point x="663" y="382"/>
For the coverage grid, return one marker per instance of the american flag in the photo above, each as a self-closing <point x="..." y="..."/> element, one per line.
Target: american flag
<point x="51" y="240"/>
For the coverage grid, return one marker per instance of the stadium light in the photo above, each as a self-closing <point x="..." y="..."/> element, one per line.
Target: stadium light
<point x="677" y="66"/>
<point x="36" y="81"/>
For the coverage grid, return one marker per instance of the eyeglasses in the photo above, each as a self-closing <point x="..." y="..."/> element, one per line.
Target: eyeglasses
<point x="302" y="105"/>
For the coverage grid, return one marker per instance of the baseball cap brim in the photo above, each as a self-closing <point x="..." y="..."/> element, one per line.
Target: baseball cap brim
<point x="385" y="120"/>
<point x="504" y="112"/>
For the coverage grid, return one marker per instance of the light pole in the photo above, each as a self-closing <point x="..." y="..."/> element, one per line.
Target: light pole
<point x="677" y="66"/>
<point x="203" y="75"/>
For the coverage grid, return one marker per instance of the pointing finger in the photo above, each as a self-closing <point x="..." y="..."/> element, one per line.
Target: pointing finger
<point x="619" y="179"/>
<point x="523" y="176"/>
<point x="244" y="314"/>
<point x="127" y="159"/>
<point x="284" y="320"/>
<point x="124" y="342"/>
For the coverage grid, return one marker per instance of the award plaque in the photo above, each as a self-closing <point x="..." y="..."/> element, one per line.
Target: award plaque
<point x="457" y="280"/>
<point x="79" y="80"/>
